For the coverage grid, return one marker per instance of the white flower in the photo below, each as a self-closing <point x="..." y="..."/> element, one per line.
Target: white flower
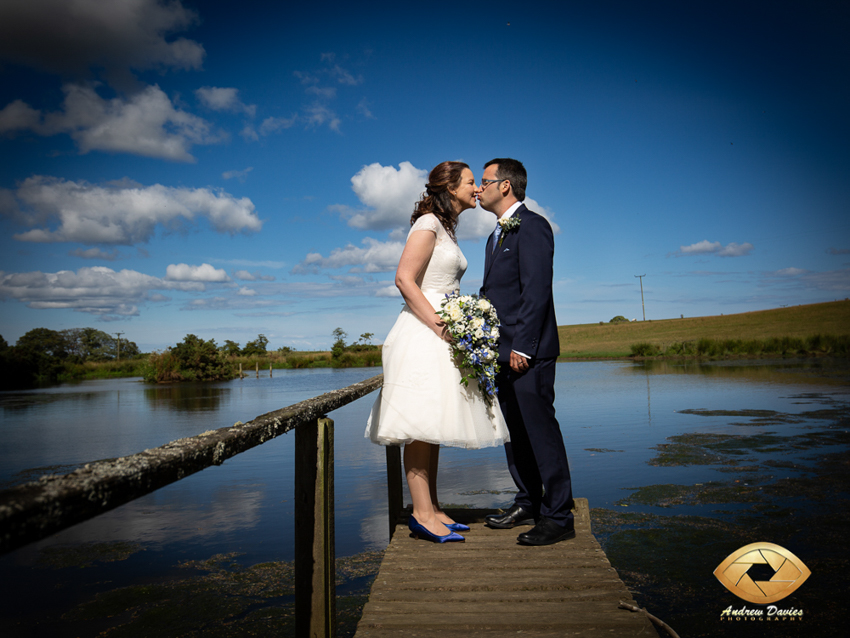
<point x="474" y="326"/>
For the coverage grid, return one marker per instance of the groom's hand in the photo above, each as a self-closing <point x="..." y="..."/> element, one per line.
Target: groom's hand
<point x="518" y="362"/>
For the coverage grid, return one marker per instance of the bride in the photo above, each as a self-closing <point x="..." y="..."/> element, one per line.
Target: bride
<point x="422" y="403"/>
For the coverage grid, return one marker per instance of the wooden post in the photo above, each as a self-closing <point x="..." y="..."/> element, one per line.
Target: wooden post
<point x="257" y="364"/>
<point x="315" y="556"/>
<point x="240" y="370"/>
<point x="395" y="496"/>
<point x="270" y="371"/>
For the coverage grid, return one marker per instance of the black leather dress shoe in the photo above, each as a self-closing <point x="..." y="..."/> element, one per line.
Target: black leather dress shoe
<point x="546" y="532"/>
<point x="513" y="517"/>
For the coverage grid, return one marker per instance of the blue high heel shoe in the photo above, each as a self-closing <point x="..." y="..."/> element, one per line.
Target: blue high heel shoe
<point x="419" y="531"/>
<point x="457" y="527"/>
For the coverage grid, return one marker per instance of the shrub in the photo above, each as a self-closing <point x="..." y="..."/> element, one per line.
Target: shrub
<point x="191" y="360"/>
<point x="256" y="347"/>
<point x="645" y="349"/>
<point x="338" y="347"/>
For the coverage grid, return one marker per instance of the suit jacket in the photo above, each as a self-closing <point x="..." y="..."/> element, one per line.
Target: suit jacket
<point x="518" y="281"/>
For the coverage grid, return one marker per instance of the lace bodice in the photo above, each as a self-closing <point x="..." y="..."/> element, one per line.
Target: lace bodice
<point x="447" y="264"/>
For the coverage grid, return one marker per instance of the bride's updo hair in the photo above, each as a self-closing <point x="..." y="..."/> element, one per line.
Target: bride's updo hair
<point x="437" y="199"/>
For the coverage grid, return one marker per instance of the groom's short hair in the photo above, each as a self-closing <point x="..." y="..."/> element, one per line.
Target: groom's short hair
<point x="514" y="171"/>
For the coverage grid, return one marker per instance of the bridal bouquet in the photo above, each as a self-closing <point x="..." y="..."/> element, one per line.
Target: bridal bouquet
<point x="473" y="324"/>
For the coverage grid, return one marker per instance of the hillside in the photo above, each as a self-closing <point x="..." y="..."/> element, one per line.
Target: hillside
<point x="615" y="340"/>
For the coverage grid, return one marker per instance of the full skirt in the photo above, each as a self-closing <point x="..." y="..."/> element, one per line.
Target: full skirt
<point x="423" y="399"/>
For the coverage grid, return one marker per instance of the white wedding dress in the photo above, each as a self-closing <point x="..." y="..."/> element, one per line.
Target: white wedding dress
<point x="422" y="398"/>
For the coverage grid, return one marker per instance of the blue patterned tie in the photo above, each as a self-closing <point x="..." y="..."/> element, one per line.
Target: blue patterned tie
<point x="496" y="236"/>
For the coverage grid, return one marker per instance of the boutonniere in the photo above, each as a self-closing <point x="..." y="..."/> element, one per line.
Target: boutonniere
<point x="508" y="224"/>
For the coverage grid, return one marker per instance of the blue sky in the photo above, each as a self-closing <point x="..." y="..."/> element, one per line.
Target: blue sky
<point x="229" y="169"/>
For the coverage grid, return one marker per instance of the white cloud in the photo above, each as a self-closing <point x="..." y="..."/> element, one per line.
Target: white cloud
<point x="376" y="256"/>
<point x="203" y="273"/>
<point x="98" y="290"/>
<point x="322" y="87"/>
<point x="123" y="213"/>
<point x="146" y="123"/>
<point x="543" y="212"/>
<point x="95" y="253"/>
<point x="331" y="70"/>
<point x="344" y="77"/>
<point x="736" y="250"/>
<point x="71" y="36"/>
<point x="835" y="281"/>
<point x="274" y="124"/>
<point x="249" y="133"/>
<point x="254" y="264"/>
<point x="112" y="294"/>
<point x="707" y="247"/>
<point x="19" y="116"/>
<point x="477" y="223"/>
<point x="244" y="275"/>
<point x="388" y="291"/>
<point x="246" y="292"/>
<point x="224" y="99"/>
<point x="364" y="110"/>
<point x="327" y="93"/>
<point x="224" y="303"/>
<point x="390" y="195"/>
<point x="239" y="175"/>
<point x="700" y="248"/>
<point x="317" y="114"/>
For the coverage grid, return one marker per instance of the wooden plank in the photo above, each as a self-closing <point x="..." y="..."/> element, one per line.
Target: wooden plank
<point x="395" y="493"/>
<point x="505" y="595"/>
<point x="492" y="586"/>
<point x="315" y="573"/>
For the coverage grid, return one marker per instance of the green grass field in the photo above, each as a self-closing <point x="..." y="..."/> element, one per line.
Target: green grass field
<point x="587" y="341"/>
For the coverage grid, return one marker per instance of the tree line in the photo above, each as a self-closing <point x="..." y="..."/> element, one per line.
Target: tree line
<point x="43" y="356"/>
<point x="195" y="359"/>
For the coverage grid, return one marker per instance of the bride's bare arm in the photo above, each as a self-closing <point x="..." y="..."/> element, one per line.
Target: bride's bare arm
<point x="417" y="253"/>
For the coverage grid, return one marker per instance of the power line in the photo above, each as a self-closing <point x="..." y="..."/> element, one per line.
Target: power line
<point x="643" y="309"/>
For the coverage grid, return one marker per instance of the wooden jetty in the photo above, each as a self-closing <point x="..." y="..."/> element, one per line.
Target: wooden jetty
<point x="492" y="586"/>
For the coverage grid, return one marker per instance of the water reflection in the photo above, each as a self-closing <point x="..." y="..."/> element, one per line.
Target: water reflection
<point x="613" y="414"/>
<point x="783" y="371"/>
<point x="186" y="397"/>
<point x="14" y="401"/>
<point x="172" y="519"/>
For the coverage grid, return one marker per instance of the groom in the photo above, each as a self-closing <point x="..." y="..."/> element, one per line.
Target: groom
<point x="518" y="280"/>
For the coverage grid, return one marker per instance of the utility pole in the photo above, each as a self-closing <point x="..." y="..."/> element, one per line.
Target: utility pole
<point x="118" y="346"/>
<point x="643" y="309"/>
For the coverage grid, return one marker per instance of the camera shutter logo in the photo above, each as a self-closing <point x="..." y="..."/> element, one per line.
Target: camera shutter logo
<point x="789" y="573"/>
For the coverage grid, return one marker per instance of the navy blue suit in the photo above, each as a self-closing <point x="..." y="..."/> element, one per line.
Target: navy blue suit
<point x="518" y="281"/>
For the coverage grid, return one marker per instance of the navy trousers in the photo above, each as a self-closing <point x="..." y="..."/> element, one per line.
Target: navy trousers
<point x="537" y="458"/>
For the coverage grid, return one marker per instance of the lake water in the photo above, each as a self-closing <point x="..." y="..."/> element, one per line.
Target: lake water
<point x="612" y="415"/>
